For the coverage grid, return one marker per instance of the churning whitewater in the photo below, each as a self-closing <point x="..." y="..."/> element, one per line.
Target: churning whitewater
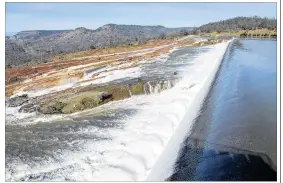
<point x="134" y="139"/>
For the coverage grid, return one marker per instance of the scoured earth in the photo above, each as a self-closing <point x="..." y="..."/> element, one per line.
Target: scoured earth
<point x="71" y="74"/>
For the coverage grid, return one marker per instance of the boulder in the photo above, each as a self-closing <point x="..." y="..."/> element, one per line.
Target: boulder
<point x="81" y="101"/>
<point x="104" y="96"/>
<point x="18" y="101"/>
<point x="28" y="108"/>
<point x="76" y="102"/>
<point x="117" y="92"/>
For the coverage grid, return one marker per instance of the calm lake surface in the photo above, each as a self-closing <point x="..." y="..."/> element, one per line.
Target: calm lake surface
<point x="235" y="135"/>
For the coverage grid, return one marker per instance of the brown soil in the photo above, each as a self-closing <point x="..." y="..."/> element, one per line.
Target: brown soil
<point x="57" y="71"/>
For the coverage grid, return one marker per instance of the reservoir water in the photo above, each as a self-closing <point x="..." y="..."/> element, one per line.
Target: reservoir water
<point x="235" y="134"/>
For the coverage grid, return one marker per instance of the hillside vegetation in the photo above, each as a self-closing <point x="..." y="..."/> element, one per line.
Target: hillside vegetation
<point x="258" y="33"/>
<point x="40" y="45"/>
<point x="240" y="27"/>
<point x="238" y="24"/>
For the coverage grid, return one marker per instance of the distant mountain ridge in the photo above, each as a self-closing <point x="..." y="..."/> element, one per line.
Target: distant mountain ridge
<point x="34" y="34"/>
<point x="36" y="45"/>
<point x="40" y="45"/>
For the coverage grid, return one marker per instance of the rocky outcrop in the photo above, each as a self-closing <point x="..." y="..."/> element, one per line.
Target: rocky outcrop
<point x="86" y="100"/>
<point x="18" y="101"/>
<point x="28" y="108"/>
<point x="76" y="102"/>
<point x="88" y="97"/>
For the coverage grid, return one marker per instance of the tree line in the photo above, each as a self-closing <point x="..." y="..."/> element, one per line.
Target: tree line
<point x="236" y="24"/>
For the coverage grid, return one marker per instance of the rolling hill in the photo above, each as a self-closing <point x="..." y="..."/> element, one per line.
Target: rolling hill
<point x="39" y="45"/>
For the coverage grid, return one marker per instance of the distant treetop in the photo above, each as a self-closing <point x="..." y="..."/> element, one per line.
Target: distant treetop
<point x="239" y="23"/>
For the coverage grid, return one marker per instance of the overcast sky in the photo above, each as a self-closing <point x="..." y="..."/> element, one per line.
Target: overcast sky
<point x="57" y="16"/>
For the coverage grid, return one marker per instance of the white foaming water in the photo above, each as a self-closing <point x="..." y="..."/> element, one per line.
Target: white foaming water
<point x="106" y="76"/>
<point x="69" y="83"/>
<point x="13" y="116"/>
<point x="200" y="83"/>
<point x="148" y="144"/>
<point x="134" y="72"/>
<point x="39" y="92"/>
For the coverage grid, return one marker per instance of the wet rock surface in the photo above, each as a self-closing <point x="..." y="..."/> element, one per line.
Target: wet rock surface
<point x="79" y="99"/>
<point x="18" y="101"/>
<point x="28" y="108"/>
<point x="52" y="108"/>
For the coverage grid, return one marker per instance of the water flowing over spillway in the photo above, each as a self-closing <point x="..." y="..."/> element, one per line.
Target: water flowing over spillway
<point x="234" y="135"/>
<point x="123" y="140"/>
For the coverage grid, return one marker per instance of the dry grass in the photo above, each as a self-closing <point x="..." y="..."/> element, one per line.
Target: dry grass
<point x="113" y="50"/>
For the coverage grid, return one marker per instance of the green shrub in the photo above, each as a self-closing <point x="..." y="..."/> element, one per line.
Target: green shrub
<point x="55" y="108"/>
<point x="92" y="47"/>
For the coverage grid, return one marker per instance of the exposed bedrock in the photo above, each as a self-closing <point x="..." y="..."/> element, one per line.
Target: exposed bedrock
<point x="18" y="101"/>
<point x="70" y="101"/>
